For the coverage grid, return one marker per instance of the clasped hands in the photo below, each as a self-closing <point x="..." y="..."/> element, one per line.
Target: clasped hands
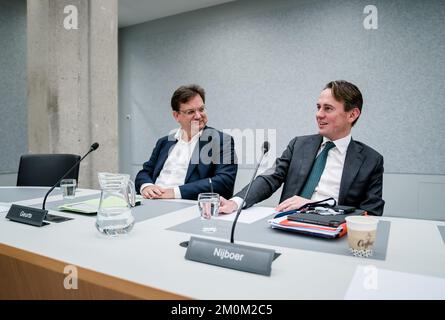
<point x="157" y="192"/>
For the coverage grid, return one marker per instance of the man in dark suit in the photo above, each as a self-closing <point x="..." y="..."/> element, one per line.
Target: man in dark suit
<point x="328" y="164"/>
<point x="195" y="159"/>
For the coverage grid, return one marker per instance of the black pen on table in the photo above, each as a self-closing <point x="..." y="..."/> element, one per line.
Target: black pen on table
<point x="285" y="213"/>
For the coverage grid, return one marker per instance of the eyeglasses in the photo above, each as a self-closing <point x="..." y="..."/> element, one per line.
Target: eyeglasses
<point x="191" y="112"/>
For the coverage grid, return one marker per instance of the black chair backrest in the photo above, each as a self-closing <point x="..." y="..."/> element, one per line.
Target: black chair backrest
<point x="46" y="169"/>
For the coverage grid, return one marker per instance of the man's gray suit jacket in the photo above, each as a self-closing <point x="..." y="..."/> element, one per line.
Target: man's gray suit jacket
<point x="360" y="186"/>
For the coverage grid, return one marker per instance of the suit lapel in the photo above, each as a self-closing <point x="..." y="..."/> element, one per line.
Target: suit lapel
<point x="163" y="155"/>
<point x="353" y="161"/>
<point x="309" y="152"/>
<point x="194" y="160"/>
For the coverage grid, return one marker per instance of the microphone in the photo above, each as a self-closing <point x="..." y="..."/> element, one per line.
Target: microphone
<point x="230" y="255"/>
<point x="265" y="149"/>
<point x="93" y="147"/>
<point x="36" y="217"/>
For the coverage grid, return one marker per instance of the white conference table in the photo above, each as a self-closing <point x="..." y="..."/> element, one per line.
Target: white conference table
<point x="149" y="263"/>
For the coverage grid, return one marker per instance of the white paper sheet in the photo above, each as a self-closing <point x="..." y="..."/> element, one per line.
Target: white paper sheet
<point x="250" y="215"/>
<point x="370" y="283"/>
<point x="4" y="207"/>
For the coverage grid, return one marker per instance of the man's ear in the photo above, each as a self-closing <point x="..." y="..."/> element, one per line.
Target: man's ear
<point x="353" y="114"/>
<point x="175" y="115"/>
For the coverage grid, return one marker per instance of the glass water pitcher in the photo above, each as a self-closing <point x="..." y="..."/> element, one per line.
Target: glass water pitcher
<point x="114" y="215"/>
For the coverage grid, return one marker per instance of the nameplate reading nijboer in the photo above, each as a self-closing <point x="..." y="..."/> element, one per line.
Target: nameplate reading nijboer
<point x="31" y="216"/>
<point x="229" y="255"/>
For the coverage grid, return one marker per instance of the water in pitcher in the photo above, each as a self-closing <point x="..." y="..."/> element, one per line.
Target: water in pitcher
<point x="114" y="215"/>
<point x="115" y="221"/>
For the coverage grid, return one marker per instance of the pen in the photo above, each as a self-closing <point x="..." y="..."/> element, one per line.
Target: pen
<point x="285" y="213"/>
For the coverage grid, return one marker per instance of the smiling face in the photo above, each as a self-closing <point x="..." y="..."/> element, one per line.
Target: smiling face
<point x="333" y="121"/>
<point x="191" y="115"/>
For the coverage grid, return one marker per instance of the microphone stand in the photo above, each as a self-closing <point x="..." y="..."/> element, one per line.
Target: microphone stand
<point x="36" y="217"/>
<point x="52" y="217"/>
<point x="230" y="255"/>
<point x="265" y="150"/>
<point x="92" y="148"/>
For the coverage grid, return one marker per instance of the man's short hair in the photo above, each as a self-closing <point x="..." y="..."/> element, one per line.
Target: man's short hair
<point x="347" y="93"/>
<point x="184" y="93"/>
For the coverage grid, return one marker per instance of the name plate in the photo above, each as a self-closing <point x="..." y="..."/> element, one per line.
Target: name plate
<point x="230" y="255"/>
<point x="22" y="214"/>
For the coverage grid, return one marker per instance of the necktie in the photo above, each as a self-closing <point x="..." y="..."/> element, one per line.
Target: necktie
<point x="316" y="171"/>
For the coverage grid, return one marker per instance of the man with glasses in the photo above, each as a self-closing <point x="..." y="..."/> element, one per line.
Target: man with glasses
<point x="195" y="159"/>
<point x="324" y="165"/>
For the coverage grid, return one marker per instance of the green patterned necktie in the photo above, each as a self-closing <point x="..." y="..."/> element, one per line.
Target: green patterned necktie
<point x="316" y="171"/>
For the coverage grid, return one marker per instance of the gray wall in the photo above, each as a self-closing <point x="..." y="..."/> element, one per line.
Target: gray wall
<point x="264" y="63"/>
<point x="13" y="128"/>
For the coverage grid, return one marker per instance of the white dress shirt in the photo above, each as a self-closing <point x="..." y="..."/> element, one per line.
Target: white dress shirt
<point x="175" y="168"/>
<point x="329" y="184"/>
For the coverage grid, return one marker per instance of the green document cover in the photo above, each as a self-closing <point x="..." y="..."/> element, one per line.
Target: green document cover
<point x="91" y="206"/>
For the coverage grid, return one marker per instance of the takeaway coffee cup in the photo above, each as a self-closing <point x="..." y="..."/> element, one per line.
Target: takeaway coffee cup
<point x="361" y="235"/>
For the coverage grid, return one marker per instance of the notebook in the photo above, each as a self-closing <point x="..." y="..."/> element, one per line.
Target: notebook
<point x="91" y="206"/>
<point x="309" y="229"/>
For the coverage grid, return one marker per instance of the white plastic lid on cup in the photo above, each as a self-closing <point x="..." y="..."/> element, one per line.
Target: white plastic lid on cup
<point x="363" y="223"/>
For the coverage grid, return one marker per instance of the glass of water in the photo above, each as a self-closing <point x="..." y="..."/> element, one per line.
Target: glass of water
<point x="208" y="204"/>
<point x="68" y="187"/>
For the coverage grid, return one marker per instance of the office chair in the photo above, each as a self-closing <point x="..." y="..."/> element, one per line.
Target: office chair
<point x="46" y="169"/>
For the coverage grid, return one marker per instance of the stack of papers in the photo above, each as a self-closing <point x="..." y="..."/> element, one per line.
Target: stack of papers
<point x="88" y="207"/>
<point x="91" y="206"/>
<point x="307" y="228"/>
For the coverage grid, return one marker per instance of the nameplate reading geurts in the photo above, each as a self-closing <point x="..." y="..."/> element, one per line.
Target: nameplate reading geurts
<point x="32" y="216"/>
<point x="229" y="255"/>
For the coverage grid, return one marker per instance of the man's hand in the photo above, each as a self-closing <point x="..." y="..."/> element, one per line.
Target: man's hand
<point x="227" y="206"/>
<point x="168" y="194"/>
<point x="153" y="192"/>
<point x="292" y="203"/>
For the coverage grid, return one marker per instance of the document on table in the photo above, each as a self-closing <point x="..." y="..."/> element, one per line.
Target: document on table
<point x="91" y="206"/>
<point x="4" y="207"/>
<point x="370" y="283"/>
<point x="250" y="215"/>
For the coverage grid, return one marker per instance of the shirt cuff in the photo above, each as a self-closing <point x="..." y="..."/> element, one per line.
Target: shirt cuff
<point x="177" y="193"/>
<point x="145" y="185"/>
<point x="238" y="201"/>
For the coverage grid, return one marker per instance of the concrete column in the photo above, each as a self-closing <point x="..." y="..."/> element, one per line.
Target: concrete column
<point x="72" y="81"/>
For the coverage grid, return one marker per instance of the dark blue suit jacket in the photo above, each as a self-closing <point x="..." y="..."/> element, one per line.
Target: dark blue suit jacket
<point x="213" y="157"/>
